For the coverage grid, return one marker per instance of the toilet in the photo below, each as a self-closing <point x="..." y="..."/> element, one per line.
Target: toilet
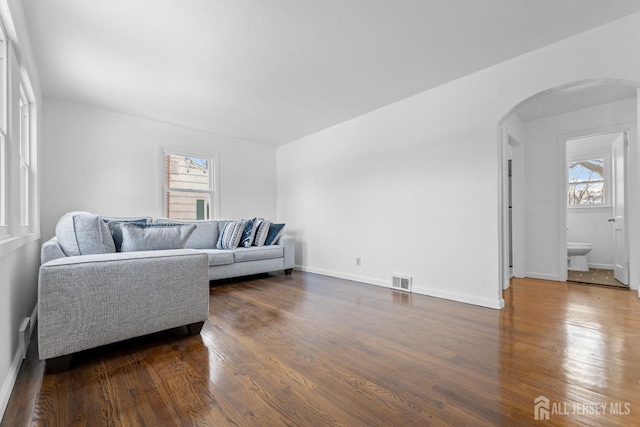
<point x="577" y="253"/>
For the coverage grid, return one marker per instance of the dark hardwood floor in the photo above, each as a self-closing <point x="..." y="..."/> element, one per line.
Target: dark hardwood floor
<point x="307" y="350"/>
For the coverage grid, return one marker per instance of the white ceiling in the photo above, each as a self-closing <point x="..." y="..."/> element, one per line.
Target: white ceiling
<point x="272" y="71"/>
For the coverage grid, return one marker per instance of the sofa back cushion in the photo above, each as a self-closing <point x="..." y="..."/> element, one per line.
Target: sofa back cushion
<point x="205" y="236"/>
<point x="83" y="233"/>
<point x="151" y="237"/>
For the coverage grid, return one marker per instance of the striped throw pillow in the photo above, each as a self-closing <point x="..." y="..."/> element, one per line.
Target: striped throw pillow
<point x="231" y="235"/>
<point x="262" y="232"/>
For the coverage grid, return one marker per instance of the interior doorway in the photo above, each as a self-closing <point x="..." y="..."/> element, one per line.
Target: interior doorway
<point x="596" y="233"/>
<point x="534" y="196"/>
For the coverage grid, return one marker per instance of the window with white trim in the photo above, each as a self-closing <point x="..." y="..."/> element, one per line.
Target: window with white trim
<point x="25" y="159"/>
<point x="4" y="227"/>
<point x="18" y="144"/>
<point x="188" y="186"/>
<point x="4" y="150"/>
<point x="588" y="182"/>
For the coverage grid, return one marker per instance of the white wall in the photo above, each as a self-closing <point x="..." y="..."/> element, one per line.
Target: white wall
<point x="19" y="263"/>
<point x="107" y="163"/>
<point x="411" y="187"/>
<point x="542" y="181"/>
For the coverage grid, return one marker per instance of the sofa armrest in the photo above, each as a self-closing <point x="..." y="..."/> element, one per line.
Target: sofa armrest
<point x="51" y="250"/>
<point x="288" y="242"/>
<point x="91" y="300"/>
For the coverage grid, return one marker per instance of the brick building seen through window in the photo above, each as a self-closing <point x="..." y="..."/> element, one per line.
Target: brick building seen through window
<point x="188" y="187"/>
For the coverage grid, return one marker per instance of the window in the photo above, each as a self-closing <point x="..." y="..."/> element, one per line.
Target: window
<point x="18" y="145"/>
<point x="587" y="183"/>
<point x="25" y="163"/>
<point x="4" y="153"/>
<point x="3" y="185"/>
<point x="188" y="188"/>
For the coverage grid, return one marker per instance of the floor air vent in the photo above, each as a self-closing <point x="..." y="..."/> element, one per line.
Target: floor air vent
<point x="401" y="283"/>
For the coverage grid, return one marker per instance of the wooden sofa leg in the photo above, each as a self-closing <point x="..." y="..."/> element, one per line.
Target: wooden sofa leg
<point x="195" y="328"/>
<point x="288" y="271"/>
<point x="59" y="364"/>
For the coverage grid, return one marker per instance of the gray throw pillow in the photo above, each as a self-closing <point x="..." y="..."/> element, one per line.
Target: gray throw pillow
<point x="116" y="229"/>
<point x="205" y="235"/>
<point x="84" y="233"/>
<point x="151" y="237"/>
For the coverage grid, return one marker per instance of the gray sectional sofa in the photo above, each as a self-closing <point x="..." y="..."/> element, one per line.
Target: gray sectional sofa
<point x="241" y="261"/>
<point x="92" y="294"/>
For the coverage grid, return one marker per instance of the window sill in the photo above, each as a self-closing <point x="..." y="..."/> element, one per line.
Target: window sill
<point x="589" y="209"/>
<point x="10" y="244"/>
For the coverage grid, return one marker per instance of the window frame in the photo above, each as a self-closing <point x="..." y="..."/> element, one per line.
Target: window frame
<point x="4" y="164"/>
<point x="26" y="157"/>
<point x="5" y="153"/>
<point x="19" y="186"/>
<point x="212" y="192"/>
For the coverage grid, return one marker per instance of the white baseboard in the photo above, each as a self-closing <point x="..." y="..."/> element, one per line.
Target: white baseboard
<point x="482" y="302"/>
<point x="14" y="369"/>
<point x="497" y="304"/>
<point x="601" y="266"/>
<point x="9" y="382"/>
<point x="353" y="278"/>
<point x="543" y="276"/>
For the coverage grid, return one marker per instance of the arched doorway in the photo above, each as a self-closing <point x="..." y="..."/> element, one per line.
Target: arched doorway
<point x="532" y="238"/>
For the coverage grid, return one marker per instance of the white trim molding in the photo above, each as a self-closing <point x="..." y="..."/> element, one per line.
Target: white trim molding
<point x="464" y="299"/>
<point x="14" y="369"/>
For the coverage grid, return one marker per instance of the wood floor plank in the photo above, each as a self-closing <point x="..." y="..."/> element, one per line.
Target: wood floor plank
<point x="313" y="350"/>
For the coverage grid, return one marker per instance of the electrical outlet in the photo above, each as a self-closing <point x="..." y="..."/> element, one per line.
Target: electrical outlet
<point x="358" y="261"/>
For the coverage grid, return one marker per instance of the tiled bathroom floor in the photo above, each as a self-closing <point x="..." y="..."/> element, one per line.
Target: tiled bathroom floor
<point x="595" y="276"/>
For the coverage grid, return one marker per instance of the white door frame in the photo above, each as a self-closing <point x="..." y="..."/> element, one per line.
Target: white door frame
<point x="625" y="129"/>
<point x="619" y="166"/>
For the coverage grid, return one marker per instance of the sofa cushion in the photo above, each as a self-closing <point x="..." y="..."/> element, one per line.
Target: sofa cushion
<point x="205" y="236"/>
<point x="262" y="232"/>
<point x="150" y="237"/>
<point x="256" y="253"/>
<point x="231" y="235"/>
<point x="275" y="231"/>
<point x="116" y="230"/>
<point x="83" y="233"/>
<point x="219" y="257"/>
